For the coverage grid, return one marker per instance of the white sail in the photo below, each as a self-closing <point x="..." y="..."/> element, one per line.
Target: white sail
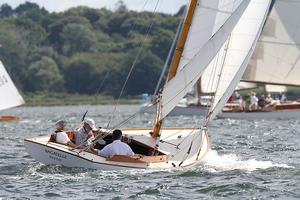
<point x="214" y="12"/>
<point x="277" y="54"/>
<point x="10" y="96"/>
<point x="240" y="47"/>
<point x="209" y="77"/>
<point x="209" y="16"/>
<point x="184" y="80"/>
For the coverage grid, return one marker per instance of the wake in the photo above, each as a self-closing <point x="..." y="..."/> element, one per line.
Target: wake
<point x="215" y="163"/>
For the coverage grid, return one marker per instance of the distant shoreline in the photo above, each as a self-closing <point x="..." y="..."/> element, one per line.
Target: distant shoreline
<point x="58" y="99"/>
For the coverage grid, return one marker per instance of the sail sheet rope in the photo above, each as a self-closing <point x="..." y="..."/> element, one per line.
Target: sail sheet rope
<point x="141" y="43"/>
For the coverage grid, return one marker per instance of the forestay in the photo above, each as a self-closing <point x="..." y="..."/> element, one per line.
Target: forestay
<point x="277" y="54"/>
<point x="10" y="96"/>
<point x="188" y="75"/>
<point x="241" y="44"/>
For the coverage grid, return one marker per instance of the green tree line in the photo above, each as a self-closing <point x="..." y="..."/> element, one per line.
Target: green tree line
<point x="83" y="50"/>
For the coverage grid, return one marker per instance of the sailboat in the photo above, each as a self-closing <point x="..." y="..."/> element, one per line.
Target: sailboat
<point x="212" y="30"/>
<point x="10" y="95"/>
<point x="275" y="62"/>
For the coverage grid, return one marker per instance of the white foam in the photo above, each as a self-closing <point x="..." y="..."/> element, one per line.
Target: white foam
<point x="216" y="163"/>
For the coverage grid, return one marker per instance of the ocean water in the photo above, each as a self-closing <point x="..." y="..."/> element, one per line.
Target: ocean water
<point x="249" y="160"/>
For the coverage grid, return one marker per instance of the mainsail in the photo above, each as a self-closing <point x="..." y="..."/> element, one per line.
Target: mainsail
<point x="189" y="73"/>
<point x="10" y="97"/>
<point x="239" y="49"/>
<point x="209" y="16"/>
<point x="277" y="54"/>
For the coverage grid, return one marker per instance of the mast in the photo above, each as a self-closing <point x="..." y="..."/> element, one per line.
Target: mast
<point x="182" y="39"/>
<point x="175" y="61"/>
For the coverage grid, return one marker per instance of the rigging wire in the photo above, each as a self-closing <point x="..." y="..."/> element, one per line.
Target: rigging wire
<point x="171" y="52"/>
<point x="210" y="111"/>
<point x="107" y="72"/>
<point x="218" y="77"/>
<point x="212" y="77"/>
<point x="141" y="45"/>
<point x="97" y="93"/>
<point x="155" y="103"/>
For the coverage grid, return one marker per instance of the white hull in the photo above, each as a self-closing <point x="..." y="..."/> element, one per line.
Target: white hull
<point x="280" y="114"/>
<point x="202" y="111"/>
<point x="57" y="154"/>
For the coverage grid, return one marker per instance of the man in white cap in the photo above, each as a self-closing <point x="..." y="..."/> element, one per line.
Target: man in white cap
<point x="60" y="135"/>
<point x="85" y="133"/>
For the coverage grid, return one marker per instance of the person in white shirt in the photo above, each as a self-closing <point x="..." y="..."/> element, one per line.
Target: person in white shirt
<point x="253" y="101"/>
<point x="117" y="147"/>
<point x="85" y="133"/>
<point x="61" y="136"/>
<point x="270" y="103"/>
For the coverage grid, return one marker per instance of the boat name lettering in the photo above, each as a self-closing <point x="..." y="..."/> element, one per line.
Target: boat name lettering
<point x="55" y="158"/>
<point x="53" y="153"/>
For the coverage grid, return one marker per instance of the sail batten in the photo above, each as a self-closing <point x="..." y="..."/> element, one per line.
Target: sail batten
<point x="188" y="75"/>
<point x="10" y="95"/>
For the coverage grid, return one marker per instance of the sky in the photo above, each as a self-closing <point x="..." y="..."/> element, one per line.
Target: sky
<point x="166" y="6"/>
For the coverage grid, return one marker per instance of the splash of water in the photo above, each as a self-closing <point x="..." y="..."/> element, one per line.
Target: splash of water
<point x="216" y="163"/>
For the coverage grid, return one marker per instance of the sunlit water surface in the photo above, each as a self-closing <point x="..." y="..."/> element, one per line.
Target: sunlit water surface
<point x="249" y="160"/>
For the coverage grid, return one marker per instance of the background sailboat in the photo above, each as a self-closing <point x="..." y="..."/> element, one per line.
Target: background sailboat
<point x="10" y="97"/>
<point x="275" y="62"/>
<point x="277" y="54"/>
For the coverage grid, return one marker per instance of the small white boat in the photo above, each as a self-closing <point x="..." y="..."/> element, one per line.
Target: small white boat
<point x="149" y="154"/>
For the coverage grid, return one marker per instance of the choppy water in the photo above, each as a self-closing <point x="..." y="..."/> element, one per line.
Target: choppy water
<point x="249" y="160"/>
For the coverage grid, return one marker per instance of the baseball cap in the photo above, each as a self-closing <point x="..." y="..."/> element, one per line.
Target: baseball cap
<point x="91" y="123"/>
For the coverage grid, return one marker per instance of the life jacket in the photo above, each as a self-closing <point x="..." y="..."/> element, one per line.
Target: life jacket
<point x="52" y="137"/>
<point x="71" y="135"/>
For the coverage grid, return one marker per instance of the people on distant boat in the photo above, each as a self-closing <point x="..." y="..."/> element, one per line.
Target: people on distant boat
<point x="281" y="97"/>
<point x="60" y="135"/>
<point x="239" y="99"/>
<point x="262" y="101"/>
<point x="246" y="101"/>
<point x="269" y="99"/>
<point x="236" y="95"/>
<point x="85" y="134"/>
<point x="253" y="101"/>
<point x="230" y="99"/>
<point x="117" y="147"/>
<point x="270" y="103"/>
